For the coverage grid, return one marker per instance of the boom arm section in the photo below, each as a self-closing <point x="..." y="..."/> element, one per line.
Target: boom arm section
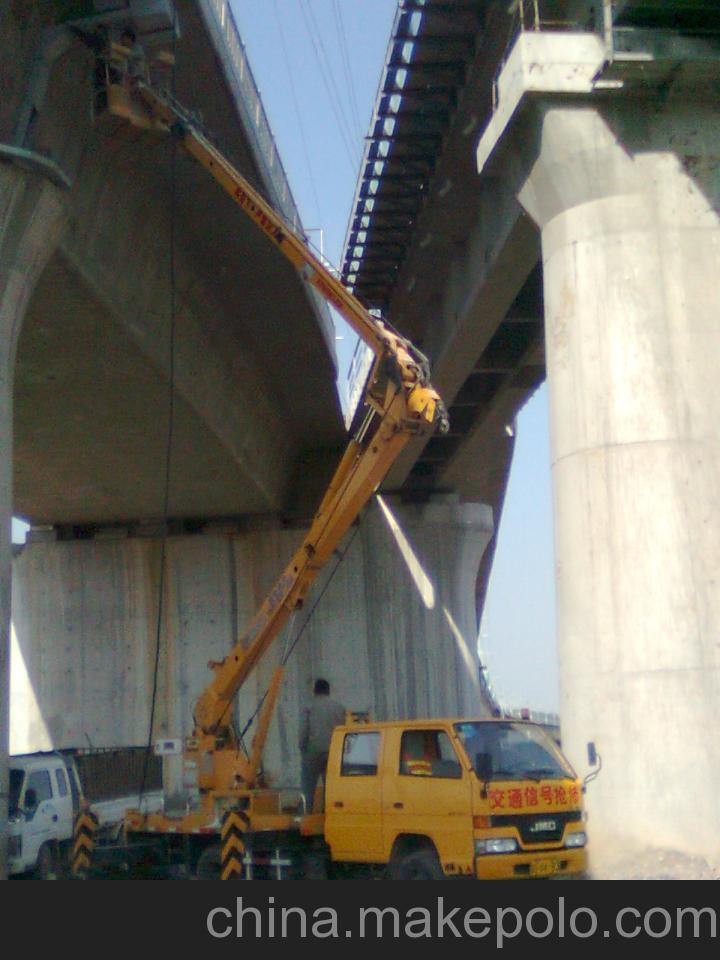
<point x="400" y="399"/>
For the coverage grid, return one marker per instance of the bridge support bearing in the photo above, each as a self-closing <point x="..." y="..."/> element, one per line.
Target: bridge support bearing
<point x="626" y="193"/>
<point x="30" y="219"/>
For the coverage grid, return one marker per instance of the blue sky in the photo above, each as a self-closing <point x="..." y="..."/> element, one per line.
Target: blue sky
<point x="517" y="635"/>
<point x="318" y="64"/>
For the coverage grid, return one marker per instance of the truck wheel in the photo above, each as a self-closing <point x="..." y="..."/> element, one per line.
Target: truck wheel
<point x="314" y="866"/>
<point x="45" y="868"/>
<point x="420" y="865"/>
<point x="208" y="865"/>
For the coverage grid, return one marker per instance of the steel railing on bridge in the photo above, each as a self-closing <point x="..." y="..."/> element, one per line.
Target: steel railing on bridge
<point x="221" y="23"/>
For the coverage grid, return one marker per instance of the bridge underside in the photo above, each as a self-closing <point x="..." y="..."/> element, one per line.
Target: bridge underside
<point x="159" y="278"/>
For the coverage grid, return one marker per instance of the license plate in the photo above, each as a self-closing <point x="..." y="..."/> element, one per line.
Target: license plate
<point x="543" y="868"/>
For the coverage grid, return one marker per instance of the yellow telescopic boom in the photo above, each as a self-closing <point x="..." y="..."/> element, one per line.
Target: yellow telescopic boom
<point x="401" y="403"/>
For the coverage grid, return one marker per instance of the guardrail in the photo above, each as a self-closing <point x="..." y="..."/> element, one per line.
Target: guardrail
<point x="532" y="15"/>
<point x="221" y="24"/>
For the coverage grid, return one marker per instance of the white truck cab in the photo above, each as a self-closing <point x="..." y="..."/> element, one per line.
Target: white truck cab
<point x="44" y="797"/>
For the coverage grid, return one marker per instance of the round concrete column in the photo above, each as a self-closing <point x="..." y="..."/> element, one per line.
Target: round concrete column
<point x="30" y="216"/>
<point x="627" y="204"/>
<point x="420" y="563"/>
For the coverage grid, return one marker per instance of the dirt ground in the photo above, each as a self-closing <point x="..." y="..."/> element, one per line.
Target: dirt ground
<point x="657" y="865"/>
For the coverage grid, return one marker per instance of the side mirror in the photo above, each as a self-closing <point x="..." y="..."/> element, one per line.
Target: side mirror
<point x="483" y="766"/>
<point x="30" y="805"/>
<point x="594" y="760"/>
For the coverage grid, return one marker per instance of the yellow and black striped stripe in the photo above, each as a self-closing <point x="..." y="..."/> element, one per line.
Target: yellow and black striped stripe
<point x="235" y="825"/>
<point x="84" y="830"/>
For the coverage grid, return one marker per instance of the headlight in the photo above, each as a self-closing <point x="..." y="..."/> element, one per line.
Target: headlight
<point x="495" y="845"/>
<point x="14" y="845"/>
<point x="576" y="839"/>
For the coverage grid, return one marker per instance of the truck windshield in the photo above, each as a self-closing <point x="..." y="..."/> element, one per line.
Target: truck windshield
<point x="16" y="782"/>
<point x="516" y="751"/>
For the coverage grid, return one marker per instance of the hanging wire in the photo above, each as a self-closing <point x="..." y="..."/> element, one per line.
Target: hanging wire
<point x="340" y="557"/>
<point x="170" y="430"/>
<point x="288" y="634"/>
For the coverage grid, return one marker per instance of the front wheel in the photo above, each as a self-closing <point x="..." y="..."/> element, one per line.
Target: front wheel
<point x="421" y="865"/>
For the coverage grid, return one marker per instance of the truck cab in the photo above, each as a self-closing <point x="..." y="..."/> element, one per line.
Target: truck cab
<point x="43" y="798"/>
<point x="465" y="798"/>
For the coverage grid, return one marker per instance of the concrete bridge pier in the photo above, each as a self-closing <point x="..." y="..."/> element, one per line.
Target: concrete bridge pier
<point x="31" y="210"/>
<point x="626" y="197"/>
<point x="394" y="632"/>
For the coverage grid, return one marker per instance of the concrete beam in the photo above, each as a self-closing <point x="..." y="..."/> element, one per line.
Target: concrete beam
<point x="471" y="259"/>
<point x="138" y="212"/>
<point x="485" y="275"/>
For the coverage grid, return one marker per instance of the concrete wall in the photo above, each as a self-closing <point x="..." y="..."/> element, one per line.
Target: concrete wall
<point x="395" y="632"/>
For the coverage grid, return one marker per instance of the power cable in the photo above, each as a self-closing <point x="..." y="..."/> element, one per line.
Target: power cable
<point x="298" y="112"/>
<point x="340" y="118"/>
<point x="339" y="99"/>
<point x="345" y="58"/>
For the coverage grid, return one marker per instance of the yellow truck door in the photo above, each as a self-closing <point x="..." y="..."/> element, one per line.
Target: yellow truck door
<point x="353" y="820"/>
<point x="427" y="792"/>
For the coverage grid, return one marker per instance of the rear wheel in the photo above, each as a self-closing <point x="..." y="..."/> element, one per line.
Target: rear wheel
<point x="45" y="867"/>
<point x="314" y="866"/>
<point x="420" y="865"/>
<point x="208" y="865"/>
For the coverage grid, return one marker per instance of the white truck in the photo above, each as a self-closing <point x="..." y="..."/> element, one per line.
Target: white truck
<point x="45" y="794"/>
